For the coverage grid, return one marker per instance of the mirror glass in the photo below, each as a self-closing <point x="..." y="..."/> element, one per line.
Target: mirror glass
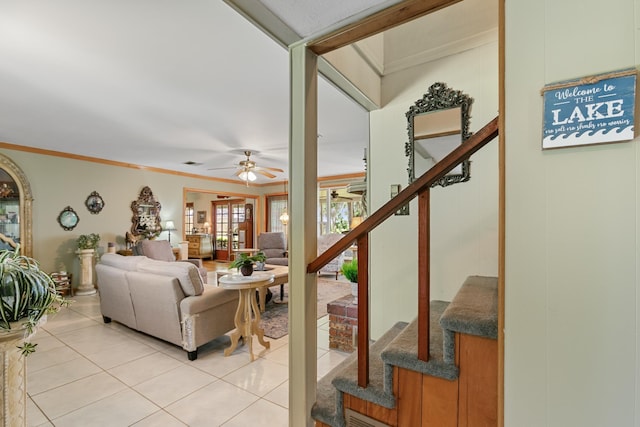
<point x="437" y="124"/>
<point x="146" y="215"/>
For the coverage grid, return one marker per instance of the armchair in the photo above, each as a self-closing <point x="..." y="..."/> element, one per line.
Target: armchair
<point x="325" y="241"/>
<point x="161" y="250"/>
<point x="274" y="246"/>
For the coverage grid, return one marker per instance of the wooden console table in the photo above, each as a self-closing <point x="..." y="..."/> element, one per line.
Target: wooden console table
<point x="247" y="320"/>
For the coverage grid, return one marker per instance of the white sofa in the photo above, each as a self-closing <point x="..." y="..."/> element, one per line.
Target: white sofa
<point x="167" y="300"/>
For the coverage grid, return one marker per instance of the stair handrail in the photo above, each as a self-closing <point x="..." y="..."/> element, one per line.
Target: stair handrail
<point x="460" y="153"/>
<point x="360" y="234"/>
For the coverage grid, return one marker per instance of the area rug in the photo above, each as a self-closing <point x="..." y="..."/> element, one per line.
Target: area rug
<point x="275" y="319"/>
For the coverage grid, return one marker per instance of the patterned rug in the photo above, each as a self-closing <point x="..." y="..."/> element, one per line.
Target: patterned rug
<point x="275" y="319"/>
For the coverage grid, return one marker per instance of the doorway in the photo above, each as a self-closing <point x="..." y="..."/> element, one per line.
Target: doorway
<point x="227" y="219"/>
<point x="232" y="227"/>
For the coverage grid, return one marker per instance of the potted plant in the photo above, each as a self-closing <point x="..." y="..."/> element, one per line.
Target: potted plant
<point x="87" y="245"/>
<point x="88" y="241"/>
<point x="350" y="271"/>
<point x="27" y="295"/>
<point x="244" y="262"/>
<point x="260" y="259"/>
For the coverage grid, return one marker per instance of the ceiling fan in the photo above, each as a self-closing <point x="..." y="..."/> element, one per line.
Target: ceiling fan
<point x="336" y="197"/>
<point x="247" y="169"/>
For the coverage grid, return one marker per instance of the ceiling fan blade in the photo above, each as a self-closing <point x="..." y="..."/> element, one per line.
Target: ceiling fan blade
<point x="263" y="172"/>
<point x="239" y="172"/>
<point x="228" y="167"/>
<point x="269" y="169"/>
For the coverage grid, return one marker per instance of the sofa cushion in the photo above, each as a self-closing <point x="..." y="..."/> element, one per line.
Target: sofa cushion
<point x="128" y="263"/>
<point x="156" y="249"/>
<point x="186" y="273"/>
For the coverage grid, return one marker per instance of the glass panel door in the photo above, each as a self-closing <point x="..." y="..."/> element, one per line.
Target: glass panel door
<point x="229" y="215"/>
<point x="237" y="218"/>
<point x="221" y="231"/>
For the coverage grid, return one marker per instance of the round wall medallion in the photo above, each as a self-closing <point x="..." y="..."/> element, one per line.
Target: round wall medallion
<point x="68" y="218"/>
<point x="94" y="203"/>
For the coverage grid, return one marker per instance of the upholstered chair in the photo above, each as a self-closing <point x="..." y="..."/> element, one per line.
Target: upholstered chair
<point x="325" y="241"/>
<point x="161" y="250"/>
<point x="274" y="246"/>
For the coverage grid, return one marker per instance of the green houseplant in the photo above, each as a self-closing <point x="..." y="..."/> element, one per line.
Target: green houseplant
<point x="88" y="241"/>
<point x="244" y="262"/>
<point x="350" y="271"/>
<point x="27" y="293"/>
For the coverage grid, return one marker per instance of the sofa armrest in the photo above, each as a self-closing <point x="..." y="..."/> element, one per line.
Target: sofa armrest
<point x="195" y="261"/>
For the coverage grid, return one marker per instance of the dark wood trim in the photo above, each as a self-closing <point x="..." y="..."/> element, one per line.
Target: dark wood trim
<point x="363" y="310"/>
<point x="385" y="19"/>
<point x="424" y="269"/>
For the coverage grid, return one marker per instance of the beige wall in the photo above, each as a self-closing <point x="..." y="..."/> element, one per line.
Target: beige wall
<point x="59" y="182"/>
<point x="464" y="216"/>
<point x="571" y="338"/>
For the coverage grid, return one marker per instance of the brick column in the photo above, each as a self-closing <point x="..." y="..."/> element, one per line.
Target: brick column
<point x="343" y="324"/>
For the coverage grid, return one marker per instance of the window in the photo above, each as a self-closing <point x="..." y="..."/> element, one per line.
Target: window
<point x="188" y="218"/>
<point x="342" y="207"/>
<point x="276" y="206"/>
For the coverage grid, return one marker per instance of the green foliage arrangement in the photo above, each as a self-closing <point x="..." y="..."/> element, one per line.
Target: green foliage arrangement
<point x="26" y="294"/>
<point x="244" y="259"/>
<point x="88" y="241"/>
<point x="350" y="270"/>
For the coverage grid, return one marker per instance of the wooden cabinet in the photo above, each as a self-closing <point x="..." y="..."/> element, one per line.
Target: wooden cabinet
<point x="200" y="246"/>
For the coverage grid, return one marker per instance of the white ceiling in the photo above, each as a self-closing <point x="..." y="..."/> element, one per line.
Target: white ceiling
<point x="160" y="83"/>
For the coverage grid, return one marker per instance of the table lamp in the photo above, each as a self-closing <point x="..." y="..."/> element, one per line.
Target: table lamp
<point x="169" y="226"/>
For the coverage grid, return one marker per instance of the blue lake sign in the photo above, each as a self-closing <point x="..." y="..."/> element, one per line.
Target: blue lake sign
<point x="592" y="110"/>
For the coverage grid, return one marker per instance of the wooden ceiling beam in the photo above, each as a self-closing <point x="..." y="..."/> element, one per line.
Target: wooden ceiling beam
<point x="385" y="19"/>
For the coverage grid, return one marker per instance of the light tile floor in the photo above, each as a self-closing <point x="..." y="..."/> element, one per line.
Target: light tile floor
<point x="88" y="373"/>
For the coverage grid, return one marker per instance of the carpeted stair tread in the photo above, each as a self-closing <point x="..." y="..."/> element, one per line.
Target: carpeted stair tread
<point x="403" y="350"/>
<point x="380" y="389"/>
<point x="474" y="309"/>
<point x="328" y="407"/>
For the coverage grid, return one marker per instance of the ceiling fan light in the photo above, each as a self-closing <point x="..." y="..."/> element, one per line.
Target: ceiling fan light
<point x="247" y="176"/>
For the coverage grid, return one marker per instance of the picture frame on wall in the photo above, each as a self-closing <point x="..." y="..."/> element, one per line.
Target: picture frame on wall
<point x="201" y="217"/>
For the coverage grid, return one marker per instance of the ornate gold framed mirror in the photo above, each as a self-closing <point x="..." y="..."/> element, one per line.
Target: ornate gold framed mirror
<point x="146" y="215"/>
<point x="15" y="206"/>
<point x="437" y="124"/>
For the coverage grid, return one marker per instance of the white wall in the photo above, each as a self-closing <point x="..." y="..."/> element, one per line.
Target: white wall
<point x="571" y="326"/>
<point x="464" y="216"/>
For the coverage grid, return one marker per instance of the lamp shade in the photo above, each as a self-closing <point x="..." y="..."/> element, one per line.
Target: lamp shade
<point x="169" y="225"/>
<point x="284" y="218"/>
<point x="356" y="221"/>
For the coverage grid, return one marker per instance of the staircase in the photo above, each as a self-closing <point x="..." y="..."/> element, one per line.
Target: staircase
<point x="457" y="386"/>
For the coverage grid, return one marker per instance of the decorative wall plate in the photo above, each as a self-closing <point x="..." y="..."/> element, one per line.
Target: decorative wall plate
<point x="68" y="218"/>
<point x="94" y="203"/>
